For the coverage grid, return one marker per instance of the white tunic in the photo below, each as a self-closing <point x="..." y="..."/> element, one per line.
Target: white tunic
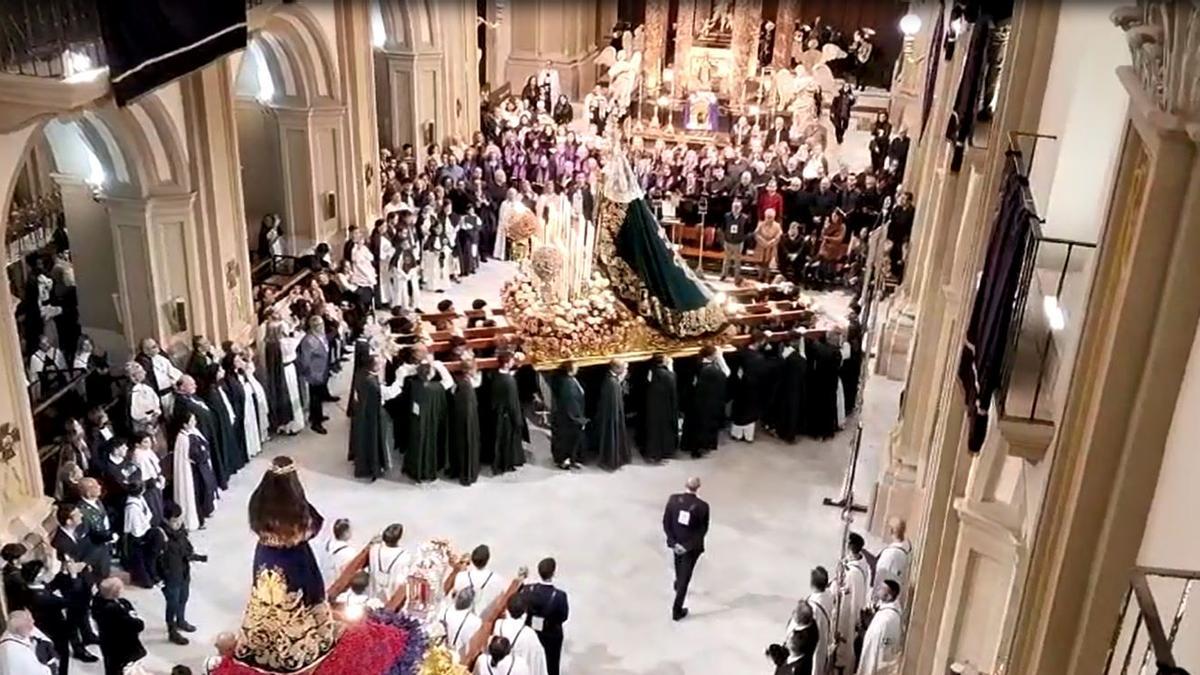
<point x="856" y="589"/>
<point x="487" y="586"/>
<point x="893" y="563"/>
<point x="881" y="644"/>
<point x="389" y="570"/>
<point x="184" y="481"/>
<point x="461" y="625"/>
<point x="822" y="609"/>
<point x="507" y="666"/>
<point x="249" y="415"/>
<point x="253" y="386"/>
<point x="137" y="516"/>
<point x="145" y="408"/>
<point x="165" y="373"/>
<point x="525" y="644"/>
<point x="147" y="462"/>
<point x="338" y="555"/>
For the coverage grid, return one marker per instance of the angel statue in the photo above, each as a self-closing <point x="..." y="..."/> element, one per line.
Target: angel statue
<point x="622" y="79"/>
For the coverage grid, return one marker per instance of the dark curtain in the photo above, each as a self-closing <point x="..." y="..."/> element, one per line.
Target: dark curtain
<point x="151" y="43"/>
<point x="933" y="64"/>
<point x="981" y="366"/>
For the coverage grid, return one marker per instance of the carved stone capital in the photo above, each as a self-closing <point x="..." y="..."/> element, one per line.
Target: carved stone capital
<point x="1164" y="40"/>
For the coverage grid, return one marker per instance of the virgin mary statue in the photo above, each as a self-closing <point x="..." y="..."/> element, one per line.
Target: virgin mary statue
<point x="642" y="267"/>
<point x="288" y="626"/>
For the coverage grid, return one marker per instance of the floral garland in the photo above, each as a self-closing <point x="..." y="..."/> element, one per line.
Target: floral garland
<point x="440" y="661"/>
<point x="410" y="661"/>
<point x="547" y="263"/>
<point x="595" y="322"/>
<point x="524" y="226"/>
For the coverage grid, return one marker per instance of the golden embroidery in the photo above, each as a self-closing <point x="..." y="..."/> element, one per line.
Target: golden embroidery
<point x="279" y="633"/>
<point x="629" y="286"/>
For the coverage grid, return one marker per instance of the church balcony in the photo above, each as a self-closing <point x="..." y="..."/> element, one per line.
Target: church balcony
<point x="1047" y="311"/>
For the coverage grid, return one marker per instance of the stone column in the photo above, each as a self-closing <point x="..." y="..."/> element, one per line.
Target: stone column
<point x="562" y="34"/>
<point x="655" y="31"/>
<point x="216" y="234"/>
<point x="747" y="21"/>
<point x="23" y="507"/>
<point x="151" y="240"/>
<point x="361" y="203"/>
<point x="785" y="25"/>
<point x="410" y="108"/>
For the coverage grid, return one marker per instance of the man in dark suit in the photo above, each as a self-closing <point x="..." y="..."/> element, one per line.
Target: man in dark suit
<point x="119" y="627"/>
<point x="312" y="364"/>
<point x="547" y="612"/>
<point x="685" y="522"/>
<point x="734" y="239"/>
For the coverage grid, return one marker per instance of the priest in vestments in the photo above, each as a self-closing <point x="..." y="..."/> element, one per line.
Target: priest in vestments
<point x="464" y="423"/>
<point x="371" y="438"/>
<point x="508" y="450"/>
<point x="610" y="437"/>
<point x="750" y="389"/>
<point x="567" y="417"/>
<point x="428" y="437"/>
<point x="881" y="644"/>
<point x="705" y="414"/>
<point x="789" y="409"/>
<point x="660" y="421"/>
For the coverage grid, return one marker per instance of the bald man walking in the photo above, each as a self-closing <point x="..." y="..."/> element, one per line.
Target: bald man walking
<point x="685" y="522"/>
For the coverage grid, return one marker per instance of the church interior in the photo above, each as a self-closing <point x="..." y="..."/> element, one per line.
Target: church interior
<point x="367" y="336"/>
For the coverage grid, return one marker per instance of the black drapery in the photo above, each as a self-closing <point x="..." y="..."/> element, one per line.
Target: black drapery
<point x="985" y="344"/>
<point x="933" y="65"/>
<point x="151" y="43"/>
<point x="961" y="126"/>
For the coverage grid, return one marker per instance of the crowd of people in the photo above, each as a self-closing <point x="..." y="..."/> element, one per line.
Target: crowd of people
<point x="851" y="623"/>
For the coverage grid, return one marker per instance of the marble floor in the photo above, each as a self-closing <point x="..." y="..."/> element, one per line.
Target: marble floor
<point x="768" y="529"/>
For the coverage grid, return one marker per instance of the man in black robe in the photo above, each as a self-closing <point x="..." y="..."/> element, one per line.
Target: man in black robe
<point x="660" y="423"/>
<point x="705" y="414"/>
<point x="231" y="440"/>
<point x="187" y="403"/>
<point x="610" y="437"/>
<point x="428" y="435"/>
<point x="824" y="369"/>
<point x="789" y="410"/>
<point x="508" y="452"/>
<point x="371" y="439"/>
<point x="464" y="424"/>
<point x="567" y="418"/>
<point x="750" y="389"/>
<point x="232" y="387"/>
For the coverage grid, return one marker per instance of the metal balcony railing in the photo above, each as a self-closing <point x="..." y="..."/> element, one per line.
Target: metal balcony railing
<point x="1143" y="641"/>
<point x="54" y="38"/>
<point x="48" y="38"/>
<point x="1053" y="285"/>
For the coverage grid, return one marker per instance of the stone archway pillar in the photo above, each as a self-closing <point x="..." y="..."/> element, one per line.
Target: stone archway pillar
<point x="362" y="199"/>
<point x="220" y="280"/>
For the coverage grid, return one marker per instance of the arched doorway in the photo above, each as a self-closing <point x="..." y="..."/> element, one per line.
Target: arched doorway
<point x="99" y="222"/>
<point x="291" y="131"/>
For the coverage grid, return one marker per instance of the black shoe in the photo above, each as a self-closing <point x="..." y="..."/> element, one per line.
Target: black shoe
<point x="84" y="655"/>
<point x="185" y="627"/>
<point x="332" y="399"/>
<point x="680" y="614"/>
<point x="319" y="429"/>
<point x="177" y="639"/>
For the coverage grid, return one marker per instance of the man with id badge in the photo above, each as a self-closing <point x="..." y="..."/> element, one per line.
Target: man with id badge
<point x="547" y="612"/>
<point x="685" y="522"/>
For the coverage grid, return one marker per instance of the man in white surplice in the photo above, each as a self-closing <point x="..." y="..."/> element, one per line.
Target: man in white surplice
<point x="18" y="648"/>
<point x="855" y="588"/>
<point x="894" y="558"/>
<point x="881" y="644"/>
<point x="821" y="602"/>
<point x="389" y="563"/>
<point x="460" y="622"/>
<point x="487" y="584"/>
<point x="525" y="643"/>
<point x="510" y="208"/>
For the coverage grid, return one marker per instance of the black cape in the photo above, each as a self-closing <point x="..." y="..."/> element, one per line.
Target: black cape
<point x="464" y="431"/>
<point x="508" y="452"/>
<point x="789" y="412"/>
<point x="824" y="371"/>
<point x="236" y="393"/>
<point x="704" y="415"/>
<point x="209" y="426"/>
<point x="610" y="438"/>
<point x="749" y="387"/>
<point x="228" y="445"/>
<point x="370" y="431"/>
<point x="660" y="422"/>
<point x="567" y="419"/>
<point x="425" y="454"/>
<point x="279" y="401"/>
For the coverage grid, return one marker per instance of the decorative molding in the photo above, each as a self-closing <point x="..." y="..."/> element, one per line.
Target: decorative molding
<point x="1164" y="40"/>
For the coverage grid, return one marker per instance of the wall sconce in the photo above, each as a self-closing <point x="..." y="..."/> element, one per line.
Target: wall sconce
<point x="330" y="205"/>
<point x="910" y="25"/>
